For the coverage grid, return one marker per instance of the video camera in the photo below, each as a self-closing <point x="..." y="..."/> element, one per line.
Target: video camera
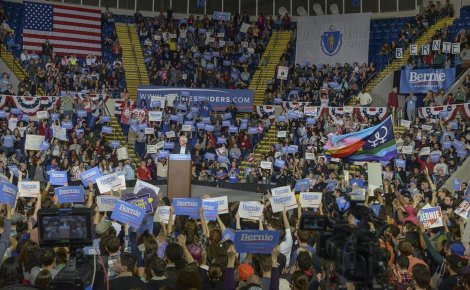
<point x="72" y="228"/>
<point x="355" y="250"/>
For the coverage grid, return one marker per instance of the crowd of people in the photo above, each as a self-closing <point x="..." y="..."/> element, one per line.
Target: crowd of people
<point x="203" y="52"/>
<point x="194" y="253"/>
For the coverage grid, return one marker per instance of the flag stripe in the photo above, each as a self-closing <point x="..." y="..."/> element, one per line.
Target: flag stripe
<point x="84" y="23"/>
<point x="60" y="36"/>
<point x="67" y="50"/>
<point x="54" y="39"/>
<point x="77" y="9"/>
<point x="74" y="18"/>
<point x="70" y="29"/>
<point x="73" y="14"/>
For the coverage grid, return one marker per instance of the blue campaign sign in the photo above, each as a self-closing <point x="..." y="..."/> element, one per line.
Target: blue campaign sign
<point x="446" y="144"/>
<point x="424" y="80"/>
<point x="67" y="194"/>
<point x="14" y="170"/>
<point x="400" y="163"/>
<point x="90" y="175"/>
<point x="114" y="144"/>
<point x="81" y="114"/>
<point x="44" y="146"/>
<point x="209" y="156"/>
<point x="256" y="241"/>
<point x="302" y="185"/>
<point x="225" y="123"/>
<point x="58" y="177"/>
<point x="252" y="130"/>
<point x="233" y="129"/>
<point x="228" y="235"/>
<point x="106" y="130"/>
<point x="127" y="213"/>
<point x="210" y="210"/>
<point x="219" y="99"/>
<point x="187" y="206"/>
<point x="279" y="163"/>
<point x="8" y="193"/>
<point x="209" y="128"/>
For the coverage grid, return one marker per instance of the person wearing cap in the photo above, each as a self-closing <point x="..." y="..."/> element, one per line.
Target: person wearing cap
<point x="454" y="264"/>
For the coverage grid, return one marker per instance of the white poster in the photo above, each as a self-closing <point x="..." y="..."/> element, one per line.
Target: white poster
<point x="151" y="149"/>
<point x="163" y="215"/>
<point x="280" y="190"/>
<point x="407" y="150"/>
<point x="12" y="123"/>
<point x="250" y="210"/>
<point x="141" y="184"/>
<point x="222" y="201"/>
<point x="266" y="164"/>
<point x="281" y="134"/>
<point x="122" y="153"/>
<point x="310" y="199"/>
<point x="155" y="116"/>
<point x="42" y="115"/>
<point x="186" y="128"/>
<point x="309" y="156"/>
<point x="333" y="39"/>
<point x="405" y="123"/>
<point x="33" y="142"/>
<point x="244" y="27"/>
<point x="425" y="151"/>
<point x="282" y="72"/>
<point x="107" y="183"/>
<point x="287" y="201"/>
<point x="149" y="131"/>
<point x="29" y="188"/>
<point x="170" y="134"/>
<point x="60" y="133"/>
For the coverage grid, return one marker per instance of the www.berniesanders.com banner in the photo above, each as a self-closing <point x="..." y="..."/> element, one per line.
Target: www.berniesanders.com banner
<point x="219" y="99"/>
<point x="421" y="81"/>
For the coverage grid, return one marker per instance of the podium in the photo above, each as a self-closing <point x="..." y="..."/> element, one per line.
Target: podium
<point x="179" y="176"/>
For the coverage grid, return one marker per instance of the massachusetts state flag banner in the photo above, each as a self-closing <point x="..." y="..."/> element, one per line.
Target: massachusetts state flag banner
<point x="70" y="30"/>
<point x="375" y="143"/>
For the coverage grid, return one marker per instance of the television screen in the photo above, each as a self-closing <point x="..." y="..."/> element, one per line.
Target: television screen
<point x="65" y="227"/>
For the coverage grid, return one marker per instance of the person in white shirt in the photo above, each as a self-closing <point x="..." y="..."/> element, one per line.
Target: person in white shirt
<point x="286" y="244"/>
<point x="441" y="165"/>
<point x="182" y="147"/>
<point x="364" y="98"/>
<point x="162" y="169"/>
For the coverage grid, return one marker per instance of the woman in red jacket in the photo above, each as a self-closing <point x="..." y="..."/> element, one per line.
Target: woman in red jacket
<point x="143" y="173"/>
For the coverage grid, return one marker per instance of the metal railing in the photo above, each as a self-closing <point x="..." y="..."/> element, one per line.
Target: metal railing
<point x="134" y="55"/>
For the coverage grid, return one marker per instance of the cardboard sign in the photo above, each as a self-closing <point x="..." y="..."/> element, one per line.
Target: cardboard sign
<point x="222" y="202"/>
<point x="286" y="200"/>
<point x="58" y="177"/>
<point x="122" y="153"/>
<point x="250" y="210"/>
<point x="187" y="206"/>
<point x="29" y="188"/>
<point x="430" y="217"/>
<point x="256" y="241"/>
<point x="106" y="202"/>
<point x="170" y="134"/>
<point x="128" y="213"/>
<point x="310" y="199"/>
<point x="278" y="191"/>
<point x="149" y="131"/>
<point x="425" y="151"/>
<point x="210" y="210"/>
<point x="282" y="72"/>
<point x="8" y="193"/>
<point x="107" y="183"/>
<point x="374" y="175"/>
<point x="90" y="175"/>
<point x="66" y="194"/>
<point x="33" y="142"/>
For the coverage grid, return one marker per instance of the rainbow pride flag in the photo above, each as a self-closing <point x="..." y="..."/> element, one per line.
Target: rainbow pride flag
<point x="375" y="143"/>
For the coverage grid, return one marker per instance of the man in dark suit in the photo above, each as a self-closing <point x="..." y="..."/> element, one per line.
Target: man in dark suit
<point x="182" y="147"/>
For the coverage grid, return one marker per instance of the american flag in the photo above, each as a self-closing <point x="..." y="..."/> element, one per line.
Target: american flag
<point x="70" y="30"/>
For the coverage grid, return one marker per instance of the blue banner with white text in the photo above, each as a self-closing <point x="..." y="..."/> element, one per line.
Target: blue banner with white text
<point x="219" y="99"/>
<point x="256" y="241"/>
<point x="421" y="81"/>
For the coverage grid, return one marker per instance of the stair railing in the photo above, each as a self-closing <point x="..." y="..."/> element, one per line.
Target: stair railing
<point x="266" y="59"/>
<point x="134" y="55"/>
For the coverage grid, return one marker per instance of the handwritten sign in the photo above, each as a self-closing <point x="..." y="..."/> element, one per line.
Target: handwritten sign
<point x="430" y="217"/>
<point x="33" y="142"/>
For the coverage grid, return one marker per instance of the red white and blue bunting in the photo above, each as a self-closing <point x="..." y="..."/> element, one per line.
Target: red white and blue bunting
<point x="448" y="113"/>
<point x="265" y="111"/>
<point x="369" y="113"/>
